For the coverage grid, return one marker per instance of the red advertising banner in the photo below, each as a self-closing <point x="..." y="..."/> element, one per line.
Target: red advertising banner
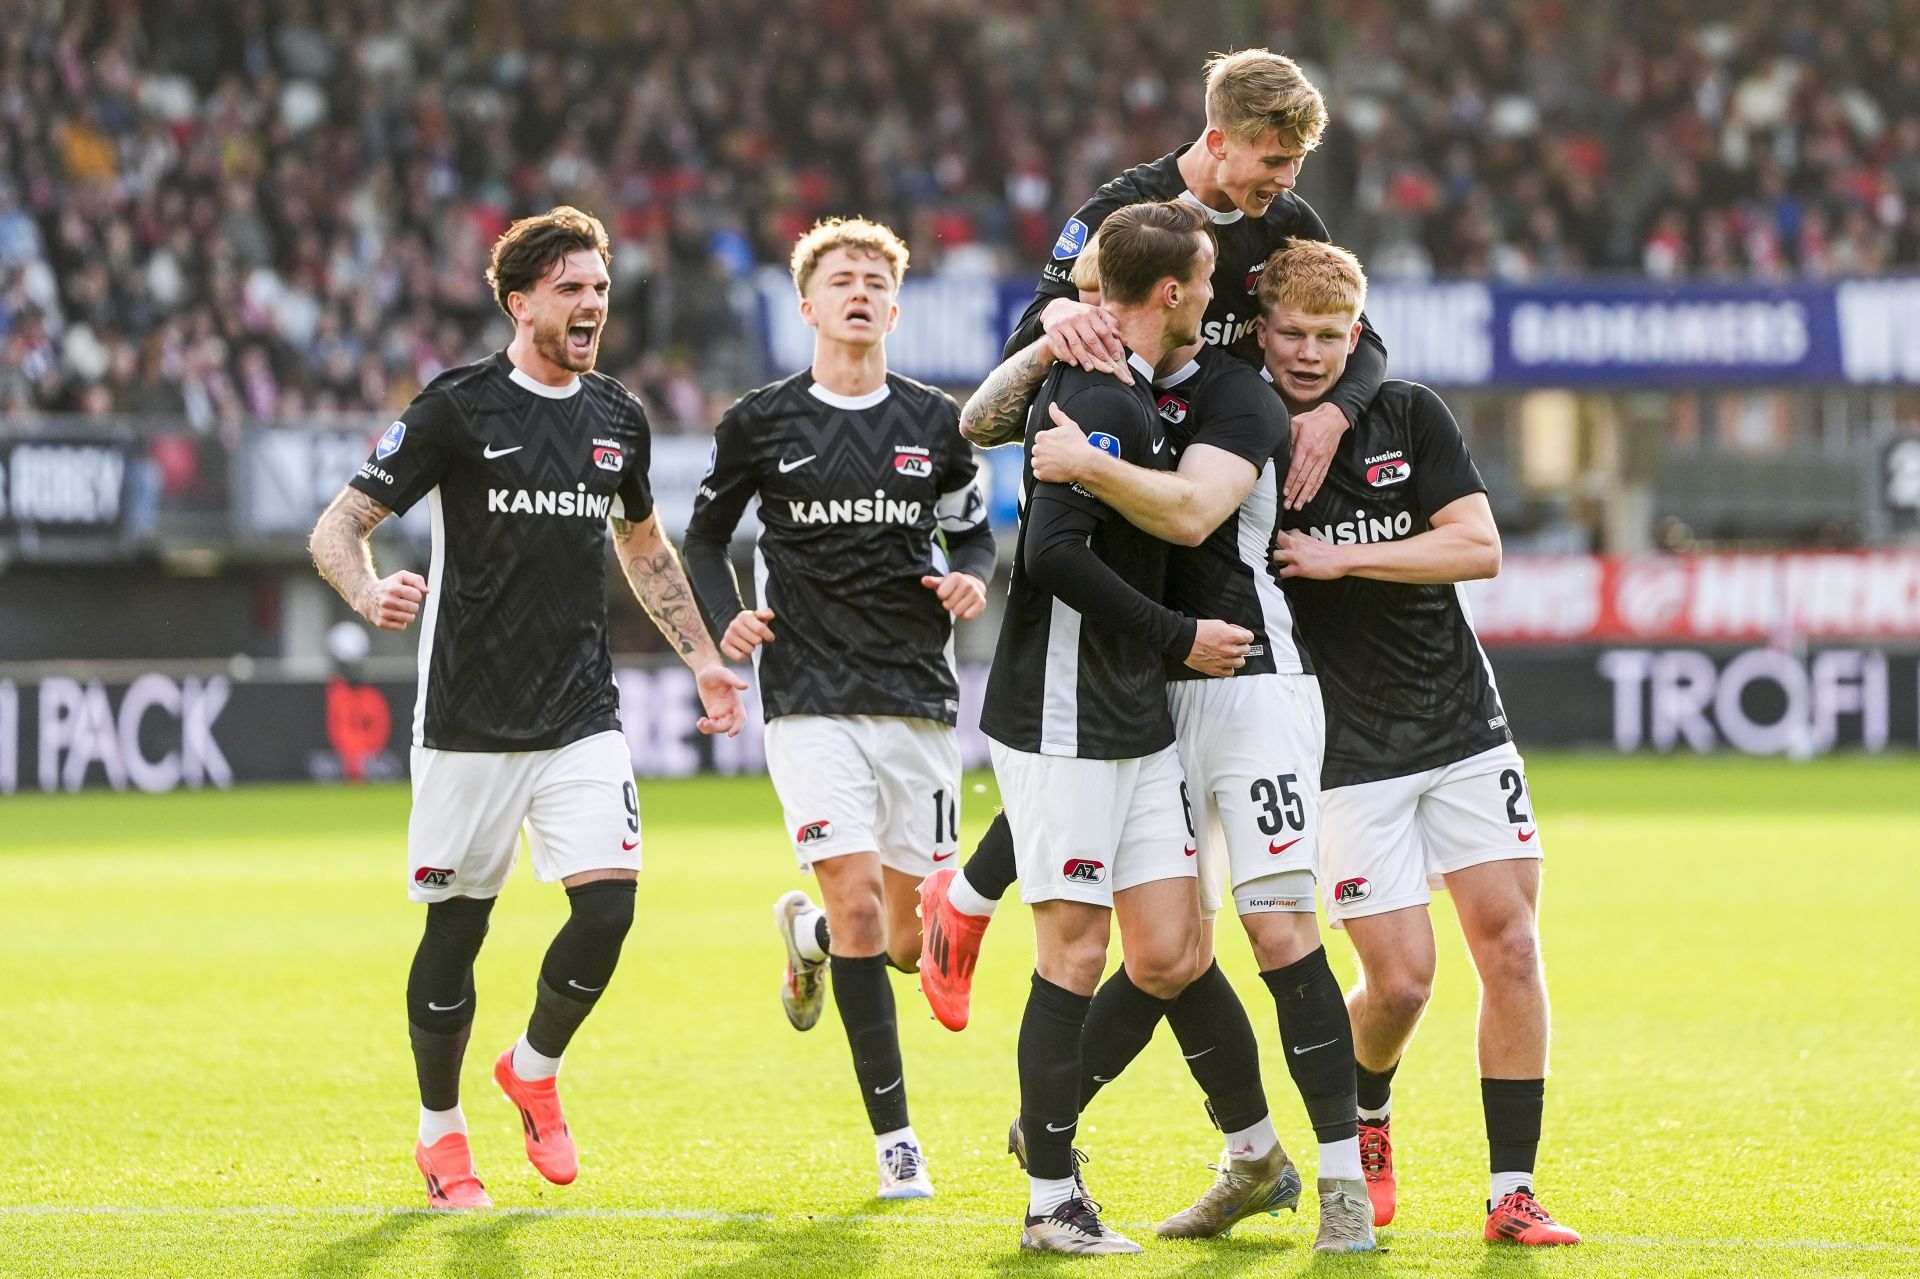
<point x="1702" y="599"/>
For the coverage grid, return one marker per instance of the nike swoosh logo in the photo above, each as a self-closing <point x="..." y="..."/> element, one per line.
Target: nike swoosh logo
<point x="1277" y="849"/>
<point x="889" y="1088"/>
<point x="1191" y="850"/>
<point x="629" y="847"/>
<point x="1527" y="835"/>
<point x="940" y="857"/>
<point x="438" y="1009"/>
<point x="1062" y="1128"/>
<point x="786" y="466"/>
<point x="1197" y="1056"/>
<point x="1102" y="1079"/>
<point x="1310" y="1047"/>
<point x="1159" y="444"/>
<point x="591" y="990"/>
<point x="490" y="452"/>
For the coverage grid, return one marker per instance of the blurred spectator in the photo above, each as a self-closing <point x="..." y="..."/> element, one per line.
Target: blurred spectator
<point x="236" y="211"/>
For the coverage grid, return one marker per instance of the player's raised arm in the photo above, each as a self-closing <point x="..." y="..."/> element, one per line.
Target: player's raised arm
<point x="651" y="568"/>
<point x="996" y="413"/>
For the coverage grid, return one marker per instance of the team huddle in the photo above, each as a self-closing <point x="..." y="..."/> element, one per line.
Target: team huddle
<point x="1234" y="667"/>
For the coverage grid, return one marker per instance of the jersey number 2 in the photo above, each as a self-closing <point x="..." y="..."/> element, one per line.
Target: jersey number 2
<point x="1515" y="786"/>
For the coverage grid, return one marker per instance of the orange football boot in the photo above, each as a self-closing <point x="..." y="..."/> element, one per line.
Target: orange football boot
<point x="1376" y="1163"/>
<point x="448" y="1167"/>
<point x="549" y="1144"/>
<point x="1519" y="1218"/>
<point x="949" y="949"/>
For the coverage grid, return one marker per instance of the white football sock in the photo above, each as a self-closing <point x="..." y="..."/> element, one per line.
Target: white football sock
<point x="1505" y="1183"/>
<point x="966" y="898"/>
<point x="531" y="1065"/>
<point x="435" y="1124"/>
<point x="1047" y="1193"/>
<point x="1261" y="1137"/>
<point x="806" y="933"/>
<point x="1340" y="1160"/>
<point x="1377" y="1117"/>
<point x="885" y="1141"/>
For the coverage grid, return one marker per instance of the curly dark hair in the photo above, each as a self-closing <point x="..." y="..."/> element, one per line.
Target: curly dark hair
<point x="527" y="250"/>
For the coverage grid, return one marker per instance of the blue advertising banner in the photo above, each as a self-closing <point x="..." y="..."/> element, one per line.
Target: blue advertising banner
<point x="1637" y="333"/>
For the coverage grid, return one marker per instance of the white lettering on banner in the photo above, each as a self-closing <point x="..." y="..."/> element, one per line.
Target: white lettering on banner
<point x="78" y="729"/>
<point x="1650" y="596"/>
<point x="1538" y="597"/>
<point x="1666" y="699"/>
<point x="9" y="737"/>
<point x="1879" y="330"/>
<point x="1590" y="332"/>
<point x="66" y="483"/>
<point x="1439" y="333"/>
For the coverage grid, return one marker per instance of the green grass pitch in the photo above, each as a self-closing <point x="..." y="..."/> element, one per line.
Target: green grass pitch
<point x="204" y="1069"/>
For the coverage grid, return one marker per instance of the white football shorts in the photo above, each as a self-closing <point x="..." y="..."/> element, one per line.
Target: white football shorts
<point x="577" y="802"/>
<point x="1251" y="750"/>
<point x="1085" y="829"/>
<point x="868" y="784"/>
<point x="1387" y="845"/>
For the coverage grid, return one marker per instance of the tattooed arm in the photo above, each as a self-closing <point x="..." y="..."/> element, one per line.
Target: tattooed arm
<point x="648" y="562"/>
<point x="997" y="413"/>
<point x="340" y="552"/>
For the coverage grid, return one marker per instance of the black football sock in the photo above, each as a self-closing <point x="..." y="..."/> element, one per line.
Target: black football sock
<point x="1049" y="1056"/>
<point x="991" y="869"/>
<point x="1513" y="1108"/>
<point x="1120" y="1022"/>
<point x="580" y="962"/>
<point x="1318" y="1036"/>
<point x="1376" y="1087"/>
<point x="863" y="993"/>
<point x="440" y="996"/>
<point x="1218" y="1042"/>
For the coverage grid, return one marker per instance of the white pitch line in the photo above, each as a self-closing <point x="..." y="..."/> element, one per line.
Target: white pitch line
<point x="906" y="1218"/>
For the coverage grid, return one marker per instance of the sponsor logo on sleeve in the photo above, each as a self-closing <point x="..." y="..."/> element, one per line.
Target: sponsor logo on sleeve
<point x="1108" y="444"/>
<point x="1084" y="870"/>
<point x="1073" y="238"/>
<point x="390" y="442"/>
<point x="1351" y="890"/>
<point x="813" y="833"/>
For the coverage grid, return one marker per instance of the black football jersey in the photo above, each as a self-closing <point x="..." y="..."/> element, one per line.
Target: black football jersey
<point x="521" y="479"/>
<point x="1406" y="684"/>
<point x="854" y="495"/>
<point x="1063" y="683"/>
<point x="1245" y="244"/>
<point x="1219" y="401"/>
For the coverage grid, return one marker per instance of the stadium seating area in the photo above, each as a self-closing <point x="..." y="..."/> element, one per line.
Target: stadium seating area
<point x="307" y="236"/>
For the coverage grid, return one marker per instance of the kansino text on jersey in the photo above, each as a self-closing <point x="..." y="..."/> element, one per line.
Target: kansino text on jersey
<point x="1226" y="332"/>
<point x="865" y="510"/>
<point x="1381" y="528"/>
<point x="588" y="506"/>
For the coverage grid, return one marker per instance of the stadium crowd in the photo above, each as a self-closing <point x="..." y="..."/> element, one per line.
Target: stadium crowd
<point x="234" y="211"/>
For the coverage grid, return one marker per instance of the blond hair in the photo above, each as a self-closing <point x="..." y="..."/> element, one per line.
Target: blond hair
<point x="1314" y="277"/>
<point x="1086" y="267"/>
<point x="856" y="234"/>
<point x="1256" y="90"/>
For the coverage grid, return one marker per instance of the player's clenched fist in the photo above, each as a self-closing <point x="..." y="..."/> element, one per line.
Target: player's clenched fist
<point x="394" y="601"/>
<point x="1219" y="648"/>
<point x="961" y="594"/>
<point x="747" y="631"/>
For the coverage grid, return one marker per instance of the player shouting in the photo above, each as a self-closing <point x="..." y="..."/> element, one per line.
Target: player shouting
<point x="524" y="458"/>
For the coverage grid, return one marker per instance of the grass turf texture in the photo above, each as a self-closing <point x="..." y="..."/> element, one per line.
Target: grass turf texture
<point x="204" y="1068"/>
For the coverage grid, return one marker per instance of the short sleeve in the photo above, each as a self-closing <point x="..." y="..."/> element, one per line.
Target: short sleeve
<point x="412" y="454"/>
<point x="1244" y="417"/>
<point x="1443" y="470"/>
<point x="635" y="490"/>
